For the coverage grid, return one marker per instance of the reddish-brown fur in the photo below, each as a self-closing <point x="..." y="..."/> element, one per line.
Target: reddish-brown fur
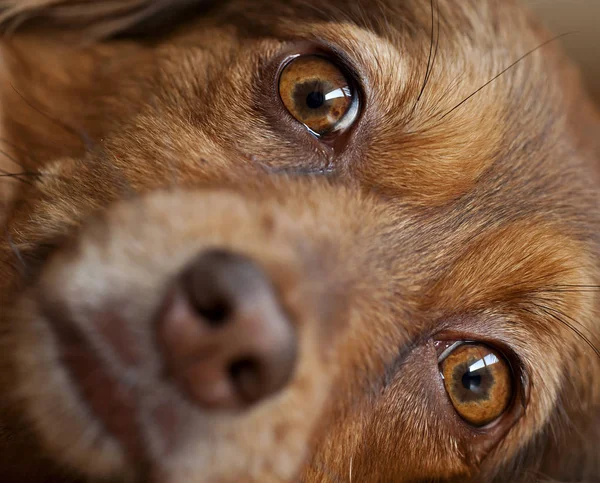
<point x="144" y="139"/>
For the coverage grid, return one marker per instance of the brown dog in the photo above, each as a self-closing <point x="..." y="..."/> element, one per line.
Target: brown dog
<point x="296" y="240"/>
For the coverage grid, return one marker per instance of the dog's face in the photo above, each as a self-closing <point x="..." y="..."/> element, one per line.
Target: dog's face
<point x="284" y="240"/>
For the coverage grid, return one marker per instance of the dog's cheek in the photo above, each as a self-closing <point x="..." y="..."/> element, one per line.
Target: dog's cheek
<point x="403" y="432"/>
<point x="131" y="251"/>
<point x="535" y="275"/>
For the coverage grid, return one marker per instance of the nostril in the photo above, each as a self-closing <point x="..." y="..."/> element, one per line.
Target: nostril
<point x="210" y="286"/>
<point x="227" y="340"/>
<point x="214" y="312"/>
<point x="246" y="377"/>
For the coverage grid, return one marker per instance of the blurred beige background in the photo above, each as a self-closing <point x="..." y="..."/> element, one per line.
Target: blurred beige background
<point x="582" y="16"/>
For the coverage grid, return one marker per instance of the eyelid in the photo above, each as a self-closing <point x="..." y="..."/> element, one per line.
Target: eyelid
<point x="449" y="349"/>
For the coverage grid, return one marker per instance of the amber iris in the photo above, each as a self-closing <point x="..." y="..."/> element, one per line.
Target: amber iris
<point x="317" y="93"/>
<point x="479" y="382"/>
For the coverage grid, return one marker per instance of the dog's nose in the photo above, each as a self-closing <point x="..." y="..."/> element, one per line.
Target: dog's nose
<point x="226" y="338"/>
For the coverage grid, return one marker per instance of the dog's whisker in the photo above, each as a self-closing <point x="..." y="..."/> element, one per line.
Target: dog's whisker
<point x="568" y="322"/>
<point x="21" y="177"/>
<point x="79" y="134"/>
<point x="17" y="175"/>
<point x="500" y="74"/>
<point x="20" y="150"/>
<point x="14" y="160"/>
<point x="435" y="40"/>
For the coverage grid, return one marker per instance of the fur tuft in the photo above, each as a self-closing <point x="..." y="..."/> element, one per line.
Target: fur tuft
<point x="96" y="18"/>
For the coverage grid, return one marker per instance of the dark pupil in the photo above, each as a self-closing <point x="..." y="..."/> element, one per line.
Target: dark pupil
<point x="471" y="381"/>
<point x="315" y="100"/>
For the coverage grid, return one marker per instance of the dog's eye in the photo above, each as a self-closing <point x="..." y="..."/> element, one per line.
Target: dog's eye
<point x="318" y="94"/>
<point x="479" y="382"/>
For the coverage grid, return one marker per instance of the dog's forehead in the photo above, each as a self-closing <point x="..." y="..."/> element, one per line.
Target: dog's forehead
<point x="483" y="23"/>
<point x="416" y="62"/>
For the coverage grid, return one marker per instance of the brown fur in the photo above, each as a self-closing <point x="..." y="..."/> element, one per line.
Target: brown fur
<point x="143" y="138"/>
